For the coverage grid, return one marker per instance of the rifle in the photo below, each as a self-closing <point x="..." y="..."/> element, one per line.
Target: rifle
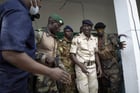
<point x="59" y="84"/>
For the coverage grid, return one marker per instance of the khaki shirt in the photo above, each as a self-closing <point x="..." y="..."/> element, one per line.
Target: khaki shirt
<point x="83" y="48"/>
<point x="46" y="44"/>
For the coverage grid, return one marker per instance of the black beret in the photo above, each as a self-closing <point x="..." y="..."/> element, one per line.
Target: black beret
<point x="99" y="25"/>
<point x="68" y="27"/>
<point x="87" y="21"/>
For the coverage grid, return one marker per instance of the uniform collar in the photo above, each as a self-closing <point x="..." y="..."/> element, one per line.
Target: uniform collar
<point x="84" y="37"/>
<point x="48" y="33"/>
<point x="66" y="40"/>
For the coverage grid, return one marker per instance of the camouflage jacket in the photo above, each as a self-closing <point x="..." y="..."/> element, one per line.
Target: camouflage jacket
<point x="64" y="52"/>
<point x="107" y="50"/>
<point x="47" y="45"/>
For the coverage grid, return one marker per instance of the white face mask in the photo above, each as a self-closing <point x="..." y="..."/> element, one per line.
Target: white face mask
<point x="34" y="10"/>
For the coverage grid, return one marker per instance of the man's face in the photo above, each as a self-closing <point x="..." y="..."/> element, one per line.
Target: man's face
<point x="87" y="30"/>
<point x="54" y="26"/>
<point x="68" y="33"/>
<point x="100" y="31"/>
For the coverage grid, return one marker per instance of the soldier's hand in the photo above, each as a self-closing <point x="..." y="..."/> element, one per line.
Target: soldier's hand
<point x="99" y="72"/>
<point x="60" y="75"/>
<point x="122" y="44"/>
<point x="49" y="59"/>
<point x="83" y="68"/>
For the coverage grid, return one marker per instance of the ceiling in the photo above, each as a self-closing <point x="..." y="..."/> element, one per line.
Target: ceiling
<point x="106" y="2"/>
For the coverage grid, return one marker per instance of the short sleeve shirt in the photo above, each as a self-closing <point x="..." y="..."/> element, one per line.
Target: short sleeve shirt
<point x="16" y="34"/>
<point x="83" y="48"/>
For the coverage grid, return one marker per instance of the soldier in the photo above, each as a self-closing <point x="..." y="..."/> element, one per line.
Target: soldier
<point x="46" y="41"/>
<point x="64" y="51"/>
<point x="108" y="58"/>
<point x="84" y="53"/>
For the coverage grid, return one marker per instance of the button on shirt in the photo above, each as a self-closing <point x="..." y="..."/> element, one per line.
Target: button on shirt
<point x="84" y="48"/>
<point x="16" y="34"/>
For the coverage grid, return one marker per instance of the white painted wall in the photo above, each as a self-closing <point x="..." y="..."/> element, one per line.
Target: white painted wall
<point x="72" y="14"/>
<point x="131" y="55"/>
<point x="138" y="4"/>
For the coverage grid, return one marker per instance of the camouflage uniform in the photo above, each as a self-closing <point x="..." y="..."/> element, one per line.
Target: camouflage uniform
<point x="46" y="45"/>
<point x="110" y="66"/>
<point x="64" y="51"/>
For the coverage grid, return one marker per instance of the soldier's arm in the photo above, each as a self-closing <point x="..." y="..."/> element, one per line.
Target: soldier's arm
<point x="97" y="60"/>
<point x="75" y="60"/>
<point x="73" y="51"/>
<point x="99" y="69"/>
<point x="59" y="52"/>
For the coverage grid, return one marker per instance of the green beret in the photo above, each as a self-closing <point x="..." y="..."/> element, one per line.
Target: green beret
<point x="57" y="18"/>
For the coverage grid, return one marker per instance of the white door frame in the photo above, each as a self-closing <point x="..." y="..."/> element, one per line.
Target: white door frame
<point x="128" y="23"/>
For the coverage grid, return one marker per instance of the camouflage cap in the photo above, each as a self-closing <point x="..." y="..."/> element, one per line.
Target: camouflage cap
<point x="57" y="18"/>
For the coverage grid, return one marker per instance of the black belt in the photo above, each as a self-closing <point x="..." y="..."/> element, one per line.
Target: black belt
<point x="89" y="63"/>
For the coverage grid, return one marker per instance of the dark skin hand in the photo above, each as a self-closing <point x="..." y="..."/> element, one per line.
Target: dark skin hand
<point x="82" y="66"/>
<point x="49" y="60"/>
<point x="99" y="70"/>
<point x="122" y="45"/>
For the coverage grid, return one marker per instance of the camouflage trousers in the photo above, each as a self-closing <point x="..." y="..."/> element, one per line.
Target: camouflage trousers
<point x="111" y="80"/>
<point x="46" y="85"/>
<point x="69" y="88"/>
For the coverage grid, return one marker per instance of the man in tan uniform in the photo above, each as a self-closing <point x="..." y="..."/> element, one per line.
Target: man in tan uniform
<point x="84" y="54"/>
<point x="46" y="52"/>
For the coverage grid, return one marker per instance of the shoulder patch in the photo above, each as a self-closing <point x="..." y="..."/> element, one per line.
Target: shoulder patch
<point x="60" y="40"/>
<point x="40" y="30"/>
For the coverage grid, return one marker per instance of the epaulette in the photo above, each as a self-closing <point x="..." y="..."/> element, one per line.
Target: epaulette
<point x="44" y="29"/>
<point x="40" y="30"/>
<point x="60" y="40"/>
<point x="40" y="33"/>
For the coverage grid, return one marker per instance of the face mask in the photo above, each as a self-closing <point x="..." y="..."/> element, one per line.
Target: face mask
<point x="34" y="10"/>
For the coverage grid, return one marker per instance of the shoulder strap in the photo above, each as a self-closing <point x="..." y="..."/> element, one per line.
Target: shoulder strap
<point x="40" y="39"/>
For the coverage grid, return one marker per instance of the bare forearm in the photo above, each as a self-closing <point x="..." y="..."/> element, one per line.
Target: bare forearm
<point x="97" y="60"/>
<point x="24" y="62"/>
<point x="75" y="60"/>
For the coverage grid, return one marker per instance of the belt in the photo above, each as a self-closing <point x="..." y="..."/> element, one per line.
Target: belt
<point x="89" y="63"/>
